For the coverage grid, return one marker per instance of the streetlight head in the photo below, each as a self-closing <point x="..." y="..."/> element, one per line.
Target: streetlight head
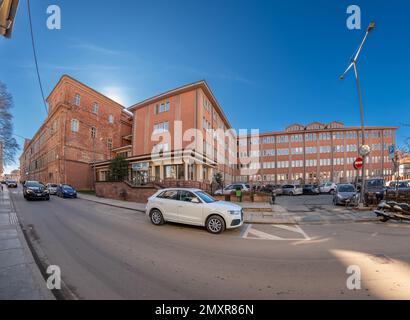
<point x="372" y="25"/>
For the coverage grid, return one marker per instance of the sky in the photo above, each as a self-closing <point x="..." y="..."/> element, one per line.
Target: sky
<point x="269" y="63"/>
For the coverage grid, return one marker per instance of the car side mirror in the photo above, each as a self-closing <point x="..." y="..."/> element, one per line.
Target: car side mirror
<point x="195" y="200"/>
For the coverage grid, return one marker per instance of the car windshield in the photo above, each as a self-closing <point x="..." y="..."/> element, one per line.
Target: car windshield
<point x="346" y="189"/>
<point x="68" y="188"/>
<point x="205" y="197"/>
<point x="34" y="185"/>
<point x="375" y="183"/>
<point x="53" y="186"/>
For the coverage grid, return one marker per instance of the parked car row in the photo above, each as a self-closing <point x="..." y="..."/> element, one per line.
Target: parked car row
<point x="10" y="183"/>
<point x="37" y="190"/>
<point x="402" y="185"/>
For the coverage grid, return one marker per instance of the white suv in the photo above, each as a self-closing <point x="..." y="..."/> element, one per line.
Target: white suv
<point x="329" y="187"/>
<point x="193" y="207"/>
<point x="233" y="187"/>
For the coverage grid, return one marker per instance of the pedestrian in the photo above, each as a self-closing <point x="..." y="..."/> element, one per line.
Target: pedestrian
<point x="1" y="187"/>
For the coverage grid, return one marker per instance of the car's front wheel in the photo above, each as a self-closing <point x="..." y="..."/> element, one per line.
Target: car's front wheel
<point x="157" y="217"/>
<point x="215" y="224"/>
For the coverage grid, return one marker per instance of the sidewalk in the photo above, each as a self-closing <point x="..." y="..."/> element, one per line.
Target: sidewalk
<point x="20" y="278"/>
<point x="140" y="207"/>
<point x="264" y="213"/>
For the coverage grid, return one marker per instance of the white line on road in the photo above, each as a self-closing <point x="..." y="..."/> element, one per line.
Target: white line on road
<point x="245" y="232"/>
<point x="260" y="235"/>
<point x="296" y="229"/>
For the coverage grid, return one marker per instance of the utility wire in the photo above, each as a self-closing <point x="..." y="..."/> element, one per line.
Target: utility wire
<point x="35" y="56"/>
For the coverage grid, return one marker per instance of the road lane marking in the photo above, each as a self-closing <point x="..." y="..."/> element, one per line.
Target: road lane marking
<point x="245" y="231"/>
<point x="270" y="234"/>
<point x="263" y="235"/>
<point x="296" y="229"/>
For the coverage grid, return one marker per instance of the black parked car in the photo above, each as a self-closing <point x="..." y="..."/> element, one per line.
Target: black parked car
<point x="35" y="190"/>
<point x="312" y="189"/>
<point x="376" y="187"/>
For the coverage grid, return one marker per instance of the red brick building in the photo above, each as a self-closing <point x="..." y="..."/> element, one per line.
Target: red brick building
<point x="175" y="113"/>
<point x="314" y="153"/>
<point x="82" y="127"/>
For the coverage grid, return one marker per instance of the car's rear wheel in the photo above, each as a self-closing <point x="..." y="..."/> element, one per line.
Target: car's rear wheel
<point x="215" y="225"/>
<point x="157" y="217"/>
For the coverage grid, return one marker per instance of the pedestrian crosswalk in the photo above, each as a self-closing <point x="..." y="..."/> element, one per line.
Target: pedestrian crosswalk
<point x="274" y="233"/>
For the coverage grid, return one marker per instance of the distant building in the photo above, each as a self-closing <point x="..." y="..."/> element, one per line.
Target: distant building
<point x="14" y="176"/>
<point x="404" y="169"/>
<point x="318" y="153"/>
<point x="83" y="126"/>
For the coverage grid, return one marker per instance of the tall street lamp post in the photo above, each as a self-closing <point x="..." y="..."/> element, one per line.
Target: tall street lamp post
<point x="364" y="149"/>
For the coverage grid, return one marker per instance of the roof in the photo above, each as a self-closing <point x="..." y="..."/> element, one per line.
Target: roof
<point x="185" y="88"/>
<point x="66" y="77"/>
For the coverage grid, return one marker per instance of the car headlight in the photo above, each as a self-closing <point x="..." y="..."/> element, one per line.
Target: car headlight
<point x="46" y="191"/>
<point x="234" y="212"/>
<point x="29" y="191"/>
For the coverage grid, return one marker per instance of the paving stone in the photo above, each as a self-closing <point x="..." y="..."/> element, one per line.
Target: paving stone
<point x="12" y="257"/>
<point x="4" y="219"/>
<point x="16" y="283"/>
<point x="8" y="244"/>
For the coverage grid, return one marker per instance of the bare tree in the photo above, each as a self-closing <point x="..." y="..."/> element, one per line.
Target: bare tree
<point x="406" y="146"/>
<point x="8" y="143"/>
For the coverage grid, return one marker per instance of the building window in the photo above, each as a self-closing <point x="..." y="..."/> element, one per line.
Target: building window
<point x="93" y="132"/>
<point x="161" y="127"/>
<point x="109" y="144"/>
<point x="162" y="147"/>
<point x="53" y="127"/>
<point x="77" y="99"/>
<point x="74" y="125"/>
<point x="163" y="107"/>
<point x="111" y="119"/>
<point x="95" y="108"/>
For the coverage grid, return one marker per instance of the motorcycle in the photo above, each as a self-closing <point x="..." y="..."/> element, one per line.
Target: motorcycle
<point x="391" y="210"/>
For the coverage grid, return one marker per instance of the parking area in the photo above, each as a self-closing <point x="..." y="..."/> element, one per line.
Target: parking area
<point x="305" y="202"/>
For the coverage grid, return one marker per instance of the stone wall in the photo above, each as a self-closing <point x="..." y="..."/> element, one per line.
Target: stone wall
<point x="402" y="196"/>
<point x="123" y="191"/>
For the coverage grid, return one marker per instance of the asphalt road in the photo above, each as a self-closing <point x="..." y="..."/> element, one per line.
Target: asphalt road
<point x="110" y="253"/>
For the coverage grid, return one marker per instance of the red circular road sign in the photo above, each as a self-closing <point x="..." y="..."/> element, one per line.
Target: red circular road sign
<point x="358" y="164"/>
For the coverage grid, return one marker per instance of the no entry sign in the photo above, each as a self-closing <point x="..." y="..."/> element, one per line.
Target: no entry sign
<point x="358" y="164"/>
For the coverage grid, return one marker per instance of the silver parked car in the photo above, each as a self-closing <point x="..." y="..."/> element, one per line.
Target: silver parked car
<point x="52" y="188"/>
<point x="345" y="194"/>
<point x="292" y="190"/>
<point x="233" y="187"/>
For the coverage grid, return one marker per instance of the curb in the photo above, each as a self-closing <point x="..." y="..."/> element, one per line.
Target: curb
<point x="113" y="205"/>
